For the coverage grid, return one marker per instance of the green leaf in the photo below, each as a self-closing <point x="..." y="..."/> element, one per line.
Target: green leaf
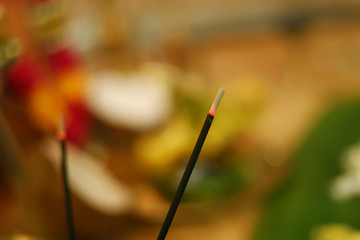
<point x="303" y="201"/>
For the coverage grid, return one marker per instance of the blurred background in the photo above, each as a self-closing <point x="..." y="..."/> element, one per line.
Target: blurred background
<point x="135" y="80"/>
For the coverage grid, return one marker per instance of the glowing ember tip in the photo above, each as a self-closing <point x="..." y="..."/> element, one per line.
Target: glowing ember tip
<point x="216" y="102"/>
<point x="61" y="128"/>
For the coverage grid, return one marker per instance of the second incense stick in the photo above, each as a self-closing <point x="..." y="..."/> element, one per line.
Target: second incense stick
<point x="64" y="170"/>
<point x="190" y="166"/>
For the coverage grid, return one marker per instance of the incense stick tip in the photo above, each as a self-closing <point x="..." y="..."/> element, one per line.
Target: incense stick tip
<point x="61" y="128"/>
<point x="216" y="101"/>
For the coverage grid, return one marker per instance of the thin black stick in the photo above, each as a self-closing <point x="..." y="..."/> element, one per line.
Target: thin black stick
<point x="68" y="206"/>
<point x="190" y="166"/>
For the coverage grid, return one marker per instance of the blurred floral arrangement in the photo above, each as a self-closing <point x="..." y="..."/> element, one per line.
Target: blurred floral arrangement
<point x="122" y="113"/>
<point x="143" y="110"/>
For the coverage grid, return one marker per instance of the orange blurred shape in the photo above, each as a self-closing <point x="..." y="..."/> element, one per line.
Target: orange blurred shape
<point x="71" y="84"/>
<point x="45" y="107"/>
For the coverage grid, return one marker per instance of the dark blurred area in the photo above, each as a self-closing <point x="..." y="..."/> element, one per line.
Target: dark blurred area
<point x="135" y="79"/>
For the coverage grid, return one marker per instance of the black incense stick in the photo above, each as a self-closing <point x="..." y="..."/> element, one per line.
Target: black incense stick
<point x="69" y="214"/>
<point x="190" y="166"/>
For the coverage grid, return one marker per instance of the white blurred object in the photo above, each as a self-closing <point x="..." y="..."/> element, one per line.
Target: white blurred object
<point x="347" y="185"/>
<point x="90" y="180"/>
<point x="136" y="101"/>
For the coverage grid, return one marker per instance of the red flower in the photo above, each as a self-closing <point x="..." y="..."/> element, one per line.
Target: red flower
<point x="22" y="77"/>
<point x="78" y="124"/>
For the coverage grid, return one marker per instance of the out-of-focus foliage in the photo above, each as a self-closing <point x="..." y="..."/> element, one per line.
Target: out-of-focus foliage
<point x="303" y="202"/>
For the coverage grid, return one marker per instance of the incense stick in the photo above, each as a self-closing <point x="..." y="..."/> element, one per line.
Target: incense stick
<point x="68" y="206"/>
<point x="190" y="166"/>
